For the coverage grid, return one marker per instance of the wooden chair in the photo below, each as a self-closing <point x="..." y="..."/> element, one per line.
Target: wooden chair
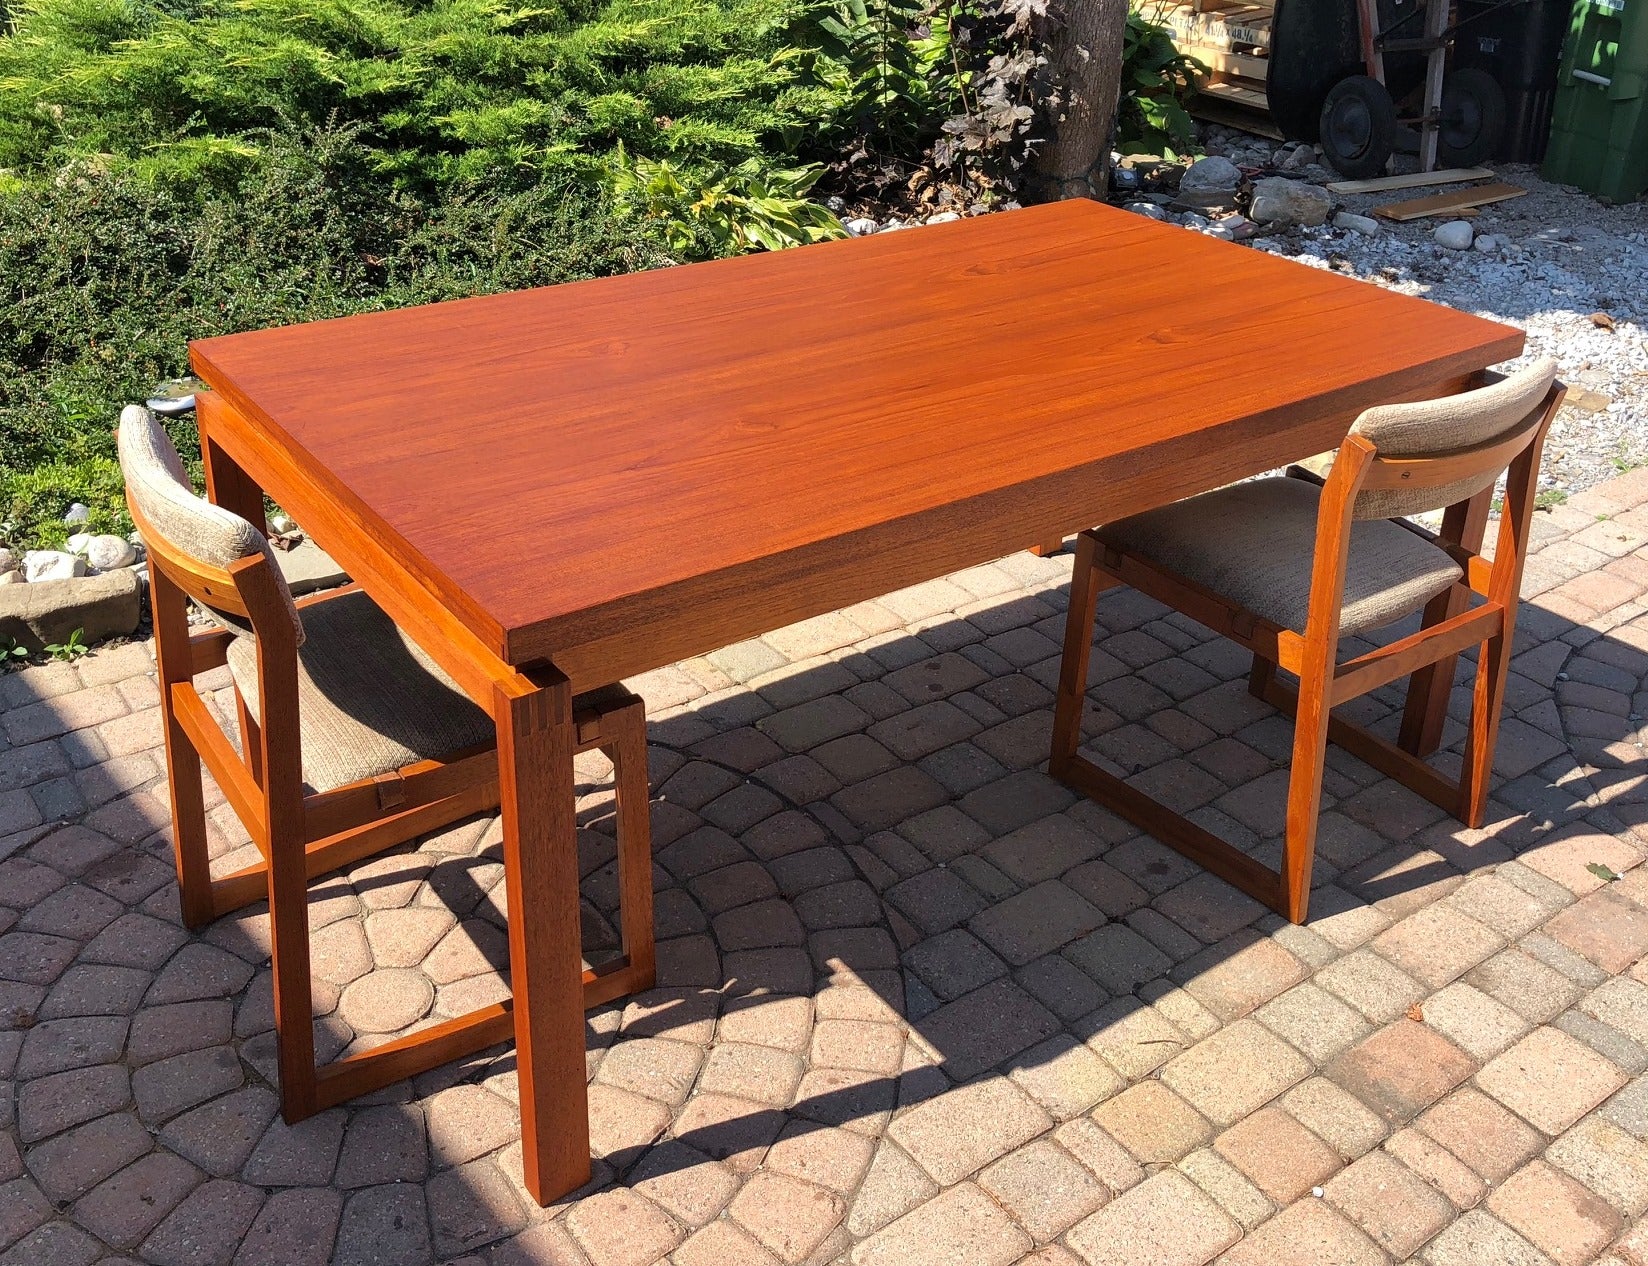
<point x="353" y="741"/>
<point x="1288" y="564"/>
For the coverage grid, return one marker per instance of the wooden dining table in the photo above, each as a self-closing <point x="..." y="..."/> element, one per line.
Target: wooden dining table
<point x="556" y="489"/>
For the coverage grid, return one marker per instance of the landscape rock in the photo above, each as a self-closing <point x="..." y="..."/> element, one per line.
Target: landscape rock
<point x="1147" y="209"/>
<point x="1366" y="225"/>
<point x="77" y="513"/>
<point x="308" y="567"/>
<point x="13" y="577"/>
<point x="860" y="226"/>
<point x="51" y="564"/>
<point x="1211" y="173"/>
<point x="105" y="553"/>
<point x="47" y="612"/>
<point x="1299" y="159"/>
<point x="8" y="560"/>
<point x="1210" y="201"/>
<point x="1278" y="200"/>
<point x="1456" y="235"/>
<point x="77" y="543"/>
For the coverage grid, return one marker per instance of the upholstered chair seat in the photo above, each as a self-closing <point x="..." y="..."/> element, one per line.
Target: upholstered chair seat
<point x="370" y="701"/>
<point x="1254" y="544"/>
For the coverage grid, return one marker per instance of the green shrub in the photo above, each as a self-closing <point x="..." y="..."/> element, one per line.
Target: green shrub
<point x="1157" y="83"/>
<point x="107" y="277"/>
<point x="444" y="91"/>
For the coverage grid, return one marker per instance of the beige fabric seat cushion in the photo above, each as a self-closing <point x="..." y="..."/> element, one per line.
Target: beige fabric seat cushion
<point x="369" y="700"/>
<point x="1255" y="543"/>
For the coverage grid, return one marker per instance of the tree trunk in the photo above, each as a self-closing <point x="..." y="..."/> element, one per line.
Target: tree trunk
<point x="1086" y="52"/>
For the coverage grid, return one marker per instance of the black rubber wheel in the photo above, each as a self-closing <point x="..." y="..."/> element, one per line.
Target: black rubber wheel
<point x="1473" y="118"/>
<point x="1358" y="127"/>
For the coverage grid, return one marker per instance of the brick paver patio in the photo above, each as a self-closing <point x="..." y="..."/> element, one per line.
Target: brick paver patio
<point x="917" y="1004"/>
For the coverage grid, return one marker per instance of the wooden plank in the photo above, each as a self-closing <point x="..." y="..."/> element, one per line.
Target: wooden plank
<point x="1411" y="180"/>
<point x="1228" y="63"/>
<point x="1226" y="91"/>
<point x="1448" y="203"/>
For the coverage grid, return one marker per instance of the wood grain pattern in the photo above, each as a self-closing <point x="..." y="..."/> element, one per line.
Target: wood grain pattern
<point x="698" y="454"/>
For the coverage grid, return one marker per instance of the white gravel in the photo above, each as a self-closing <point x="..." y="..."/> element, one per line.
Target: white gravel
<point x="1559" y="256"/>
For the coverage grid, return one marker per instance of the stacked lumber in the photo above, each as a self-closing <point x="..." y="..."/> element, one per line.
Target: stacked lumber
<point x="1232" y="39"/>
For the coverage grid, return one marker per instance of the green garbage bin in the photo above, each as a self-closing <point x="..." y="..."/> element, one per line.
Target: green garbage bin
<point x="1599" y="128"/>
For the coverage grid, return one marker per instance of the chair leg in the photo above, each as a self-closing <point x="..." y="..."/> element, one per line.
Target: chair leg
<point x="634" y="796"/>
<point x="1487" y="701"/>
<point x="1311" y="719"/>
<point x="183" y="778"/>
<point x="1260" y="675"/>
<point x="1078" y="648"/>
<point x="289" y="960"/>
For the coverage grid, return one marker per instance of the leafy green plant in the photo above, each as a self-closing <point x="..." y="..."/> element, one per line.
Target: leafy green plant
<point x="12" y="655"/>
<point x="68" y="651"/>
<point x="749" y="207"/>
<point x="1157" y="81"/>
<point x="891" y="65"/>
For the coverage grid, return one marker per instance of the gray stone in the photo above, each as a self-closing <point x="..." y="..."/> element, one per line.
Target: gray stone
<point x="1363" y="224"/>
<point x="1456" y="235"/>
<point x="1148" y="209"/>
<point x="48" y="612"/>
<point x="1278" y="200"/>
<point x="1210" y="173"/>
<point x="1300" y="158"/>
<point x="51" y="564"/>
<point x="13" y="577"/>
<point x="106" y="553"/>
<point x="307" y="567"/>
<point x="860" y="226"/>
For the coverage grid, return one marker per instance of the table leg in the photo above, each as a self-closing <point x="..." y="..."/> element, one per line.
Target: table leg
<point x="227" y="484"/>
<point x="536" y="739"/>
<point x="1426" y="710"/>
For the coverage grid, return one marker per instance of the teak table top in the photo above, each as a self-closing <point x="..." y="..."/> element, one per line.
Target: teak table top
<point x="571" y="469"/>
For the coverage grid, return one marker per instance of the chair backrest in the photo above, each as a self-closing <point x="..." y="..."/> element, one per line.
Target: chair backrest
<point x="176" y="522"/>
<point x="1451" y="427"/>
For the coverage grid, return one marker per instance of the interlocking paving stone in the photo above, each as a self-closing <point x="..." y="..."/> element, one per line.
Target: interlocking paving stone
<point x="1556" y="1214"/>
<point x="954" y="1134"/>
<point x="1153" y="1123"/>
<point x="1236" y="1071"/>
<point x="1392" y="1205"/>
<point x="962" y="1224"/>
<point x="1401" y="1069"/>
<point x="1044" y="1188"/>
<point x="1282" y="1158"/>
<point x="870" y="892"/>
<point x="1550" y="1079"/>
<point x="1167" y="1219"/>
